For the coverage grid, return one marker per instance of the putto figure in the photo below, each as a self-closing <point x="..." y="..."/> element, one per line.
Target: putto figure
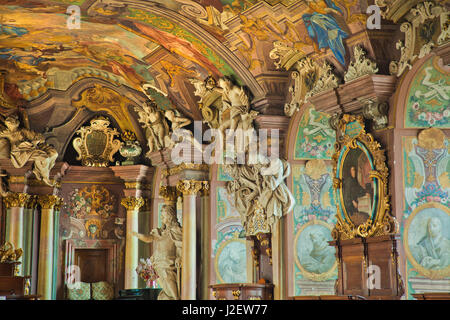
<point x="155" y="125"/>
<point x="26" y="145"/>
<point x="166" y="257"/>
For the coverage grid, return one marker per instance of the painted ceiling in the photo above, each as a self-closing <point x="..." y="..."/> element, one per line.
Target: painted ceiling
<point x="162" y="43"/>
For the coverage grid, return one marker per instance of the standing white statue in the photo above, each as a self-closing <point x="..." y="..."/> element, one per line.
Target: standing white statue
<point x="166" y="258"/>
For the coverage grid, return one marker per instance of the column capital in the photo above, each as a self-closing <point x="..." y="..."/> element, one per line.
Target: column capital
<point x="132" y="203"/>
<point x="169" y="194"/>
<point x="16" y="199"/>
<point x="49" y="201"/>
<point x="205" y="188"/>
<point x="190" y="187"/>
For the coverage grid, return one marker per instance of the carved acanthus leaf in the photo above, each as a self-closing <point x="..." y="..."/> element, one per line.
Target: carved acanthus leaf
<point x="361" y="66"/>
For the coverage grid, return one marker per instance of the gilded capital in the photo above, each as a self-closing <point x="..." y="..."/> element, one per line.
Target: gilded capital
<point x="15" y="199"/>
<point x="205" y="188"/>
<point x="49" y="201"/>
<point x="189" y="187"/>
<point x="132" y="203"/>
<point x="168" y="193"/>
<point x="31" y="203"/>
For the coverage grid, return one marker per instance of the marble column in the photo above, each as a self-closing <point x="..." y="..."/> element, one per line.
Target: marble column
<point x="132" y="205"/>
<point x="48" y="204"/>
<point x="278" y="261"/>
<point x="189" y="189"/>
<point x="15" y="203"/>
<point x="205" y="243"/>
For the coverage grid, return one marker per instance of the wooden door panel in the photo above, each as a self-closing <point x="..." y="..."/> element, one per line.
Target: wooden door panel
<point x="93" y="264"/>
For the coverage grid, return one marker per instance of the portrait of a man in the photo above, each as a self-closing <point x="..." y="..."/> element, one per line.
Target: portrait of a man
<point x="432" y="251"/>
<point x="356" y="187"/>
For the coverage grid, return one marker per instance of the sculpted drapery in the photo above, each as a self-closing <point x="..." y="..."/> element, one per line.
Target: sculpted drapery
<point x="26" y="145"/>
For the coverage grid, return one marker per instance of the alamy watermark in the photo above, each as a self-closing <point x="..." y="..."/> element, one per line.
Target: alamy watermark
<point x="374" y="20"/>
<point x="74" y="20"/>
<point x="225" y="146"/>
<point x="374" y="277"/>
<point x="73" y="277"/>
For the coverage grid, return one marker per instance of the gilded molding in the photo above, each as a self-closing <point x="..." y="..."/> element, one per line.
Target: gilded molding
<point x="15" y="199"/>
<point x="138" y="185"/>
<point x="132" y="203"/>
<point x="189" y="187"/>
<point x="185" y="166"/>
<point x="361" y="66"/>
<point x="376" y="111"/>
<point x="49" y="201"/>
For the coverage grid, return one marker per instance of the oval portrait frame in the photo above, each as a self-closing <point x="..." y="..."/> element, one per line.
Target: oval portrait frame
<point x="350" y="135"/>
<point x="429" y="273"/>
<point x="310" y="275"/>
<point x="344" y="153"/>
<point x="218" y="253"/>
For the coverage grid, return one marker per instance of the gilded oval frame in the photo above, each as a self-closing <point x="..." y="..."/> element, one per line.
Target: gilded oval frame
<point x="351" y="134"/>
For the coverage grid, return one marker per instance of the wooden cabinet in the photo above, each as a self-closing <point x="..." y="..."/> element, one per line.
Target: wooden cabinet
<point x="242" y="291"/>
<point x="11" y="286"/>
<point x="368" y="267"/>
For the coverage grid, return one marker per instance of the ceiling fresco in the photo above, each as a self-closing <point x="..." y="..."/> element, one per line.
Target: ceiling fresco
<point x="164" y="43"/>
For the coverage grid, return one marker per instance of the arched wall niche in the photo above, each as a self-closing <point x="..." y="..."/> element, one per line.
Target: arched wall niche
<point x="56" y="116"/>
<point x="420" y="185"/>
<point x="314" y="210"/>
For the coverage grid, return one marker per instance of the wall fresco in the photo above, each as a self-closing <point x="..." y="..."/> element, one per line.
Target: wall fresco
<point x="315" y="138"/>
<point x="315" y="266"/>
<point x="425" y="227"/>
<point x="229" y="249"/>
<point x="428" y="99"/>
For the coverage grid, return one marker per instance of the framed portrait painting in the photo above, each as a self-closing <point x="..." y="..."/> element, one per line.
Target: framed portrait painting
<point x="360" y="183"/>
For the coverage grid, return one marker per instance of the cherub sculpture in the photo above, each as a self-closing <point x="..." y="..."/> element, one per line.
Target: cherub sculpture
<point x="155" y="125"/>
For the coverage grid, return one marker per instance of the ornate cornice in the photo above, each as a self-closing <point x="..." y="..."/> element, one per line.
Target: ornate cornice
<point x="132" y="203"/>
<point x="49" y="201"/>
<point x="189" y="187"/>
<point x="185" y="166"/>
<point x="15" y="199"/>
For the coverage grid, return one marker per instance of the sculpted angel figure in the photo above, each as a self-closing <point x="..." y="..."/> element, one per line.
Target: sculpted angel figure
<point x="166" y="258"/>
<point x="234" y="99"/>
<point x="155" y="124"/>
<point x="26" y="145"/>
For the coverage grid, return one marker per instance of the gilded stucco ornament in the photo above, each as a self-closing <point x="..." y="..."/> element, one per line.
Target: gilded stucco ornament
<point x="361" y="66"/>
<point x="9" y="254"/>
<point x="420" y="28"/>
<point x="305" y="77"/>
<point x="327" y="81"/>
<point x="285" y="55"/>
<point x="132" y="203"/>
<point x="352" y="137"/>
<point x="377" y="111"/>
<point x="96" y="145"/>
